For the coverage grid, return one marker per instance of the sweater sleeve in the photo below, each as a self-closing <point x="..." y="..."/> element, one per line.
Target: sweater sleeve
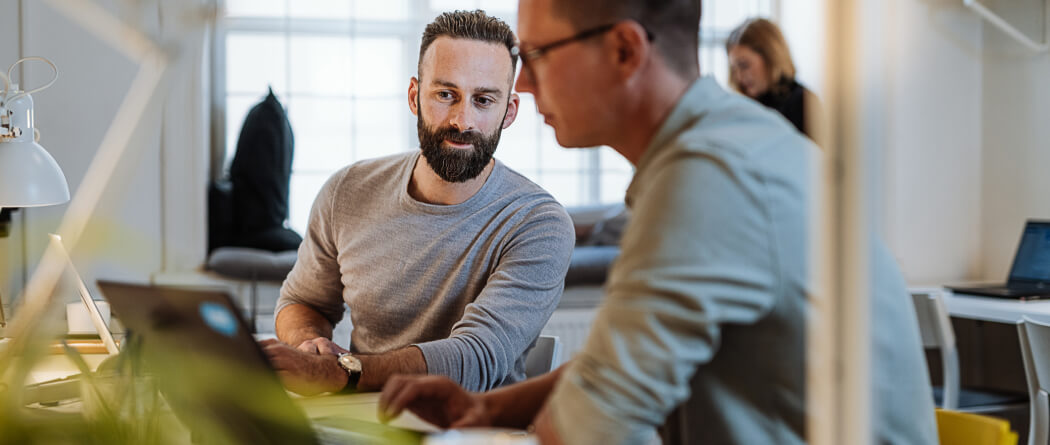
<point x="315" y="280"/>
<point x="518" y="298"/>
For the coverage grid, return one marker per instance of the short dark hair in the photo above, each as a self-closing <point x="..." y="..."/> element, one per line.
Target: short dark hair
<point x="674" y="24"/>
<point x="472" y="25"/>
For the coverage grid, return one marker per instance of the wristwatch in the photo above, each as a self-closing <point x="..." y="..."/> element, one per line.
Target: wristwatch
<point x="352" y="365"/>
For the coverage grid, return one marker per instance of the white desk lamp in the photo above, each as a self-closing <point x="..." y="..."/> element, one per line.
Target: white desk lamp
<point x="29" y="176"/>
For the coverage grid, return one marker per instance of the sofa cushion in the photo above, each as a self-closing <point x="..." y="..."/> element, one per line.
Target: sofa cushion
<point x="585" y="296"/>
<point x="609" y="228"/>
<point x="252" y="264"/>
<point x="590" y="264"/>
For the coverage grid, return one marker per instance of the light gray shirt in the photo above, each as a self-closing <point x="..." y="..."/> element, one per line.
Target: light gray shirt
<point x="705" y="309"/>
<point x="470" y="284"/>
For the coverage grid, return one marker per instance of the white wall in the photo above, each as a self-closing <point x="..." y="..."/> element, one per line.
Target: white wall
<point x="932" y="167"/>
<point x="10" y="247"/>
<point x="122" y="240"/>
<point x="151" y="218"/>
<point x="1016" y="135"/>
<point x="929" y="204"/>
<point x="968" y="137"/>
<point x="9" y="38"/>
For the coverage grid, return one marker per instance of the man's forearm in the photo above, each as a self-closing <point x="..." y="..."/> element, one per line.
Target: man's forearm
<point x="516" y="406"/>
<point x="376" y="369"/>
<point x="297" y="323"/>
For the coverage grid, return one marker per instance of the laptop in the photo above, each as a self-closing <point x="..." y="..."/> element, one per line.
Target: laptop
<point x="216" y="378"/>
<point x="1030" y="274"/>
<point x="49" y="392"/>
<point x="85" y="297"/>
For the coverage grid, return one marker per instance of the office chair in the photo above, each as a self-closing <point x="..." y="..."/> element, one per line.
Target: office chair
<point x="936" y="328"/>
<point x="544" y="357"/>
<point x="1035" y="349"/>
<point x="959" y="428"/>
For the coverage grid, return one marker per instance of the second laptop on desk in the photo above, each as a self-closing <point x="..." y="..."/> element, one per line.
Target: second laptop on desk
<point x="1030" y="273"/>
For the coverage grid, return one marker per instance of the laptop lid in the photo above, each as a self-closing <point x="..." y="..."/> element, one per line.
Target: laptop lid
<point x="1032" y="262"/>
<point x="85" y="297"/>
<point x="205" y="361"/>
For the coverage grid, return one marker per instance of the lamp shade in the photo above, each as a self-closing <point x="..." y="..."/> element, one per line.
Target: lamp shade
<point x="29" y="176"/>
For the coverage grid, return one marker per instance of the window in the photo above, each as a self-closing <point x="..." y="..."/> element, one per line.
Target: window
<point x="341" y="68"/>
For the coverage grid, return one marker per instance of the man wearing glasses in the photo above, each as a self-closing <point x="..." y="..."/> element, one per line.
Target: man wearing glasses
<point x="450" y="262"/>
<point x="702" y="329"/>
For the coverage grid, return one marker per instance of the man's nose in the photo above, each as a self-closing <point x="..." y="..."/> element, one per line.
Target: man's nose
<point x="462" y="117"/>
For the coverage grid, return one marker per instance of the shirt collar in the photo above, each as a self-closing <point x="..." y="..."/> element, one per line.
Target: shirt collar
<point x="696" y="101"/>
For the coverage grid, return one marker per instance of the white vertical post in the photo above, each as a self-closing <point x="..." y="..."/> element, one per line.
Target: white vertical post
<point x="839" y="337"/>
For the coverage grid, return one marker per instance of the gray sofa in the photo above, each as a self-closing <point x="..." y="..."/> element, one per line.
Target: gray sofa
<point x="598" y="231"/>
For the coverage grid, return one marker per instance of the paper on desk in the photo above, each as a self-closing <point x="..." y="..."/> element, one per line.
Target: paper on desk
<point x="361" y="406"/>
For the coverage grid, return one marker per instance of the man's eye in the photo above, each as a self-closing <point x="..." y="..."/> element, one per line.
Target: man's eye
<point x="484" y="101"/>
<point x="444" y="95"/>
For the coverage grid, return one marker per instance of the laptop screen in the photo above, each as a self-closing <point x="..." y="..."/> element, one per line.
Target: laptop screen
<point x="198" y="349"/>
<point x="85" y="297"/>
<point x="1032" y="262"/>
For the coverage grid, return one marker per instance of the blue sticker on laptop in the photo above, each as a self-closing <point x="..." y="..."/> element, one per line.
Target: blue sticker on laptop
<point x="217" y="317"/>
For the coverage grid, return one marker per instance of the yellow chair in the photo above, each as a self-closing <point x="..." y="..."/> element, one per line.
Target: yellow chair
<point x="958" y="428"/>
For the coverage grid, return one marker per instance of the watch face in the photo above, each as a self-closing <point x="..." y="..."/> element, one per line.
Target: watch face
<point x="350" y="362"/>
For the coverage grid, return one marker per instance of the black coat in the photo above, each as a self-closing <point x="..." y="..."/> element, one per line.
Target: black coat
<point x="251" y="210"/>
<point x="792" y="100"/>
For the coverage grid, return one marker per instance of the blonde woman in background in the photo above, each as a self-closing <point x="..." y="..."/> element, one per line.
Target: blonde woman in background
<point x="760" y="67"/>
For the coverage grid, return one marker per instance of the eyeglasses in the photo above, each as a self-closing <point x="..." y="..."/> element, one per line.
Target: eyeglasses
<point x="535" y="53"/>
<point x="530" y="56"/>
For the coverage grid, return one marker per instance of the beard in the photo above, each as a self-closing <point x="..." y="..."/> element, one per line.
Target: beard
<point x="453" y="164"/>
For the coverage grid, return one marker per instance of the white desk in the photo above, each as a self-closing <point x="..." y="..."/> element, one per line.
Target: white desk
<point x="997" y="310"/>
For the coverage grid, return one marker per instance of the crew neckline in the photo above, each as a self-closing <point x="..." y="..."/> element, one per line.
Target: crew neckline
<point x="473" y="202"/>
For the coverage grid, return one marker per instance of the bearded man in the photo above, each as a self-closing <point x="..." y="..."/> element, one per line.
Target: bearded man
<point x="450" y="262"/>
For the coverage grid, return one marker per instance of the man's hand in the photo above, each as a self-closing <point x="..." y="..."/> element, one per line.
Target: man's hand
<point x="545" y="431"/>
<point x="297" y="323"/>
<point x="436" y="399"/>
<point x="305" y="373"/>
<point x="321" y="345"/>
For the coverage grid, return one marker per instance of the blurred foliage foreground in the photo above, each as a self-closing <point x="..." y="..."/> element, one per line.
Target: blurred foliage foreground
<point x="111" y="406"/>
<point x="128" y="402"/>
<point x="157" y="393"/>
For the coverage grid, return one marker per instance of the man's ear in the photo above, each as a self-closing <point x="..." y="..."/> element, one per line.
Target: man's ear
<point x="631" y="47"/>
<point x="512" y="110"/>
<point x="413" y="94"/>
